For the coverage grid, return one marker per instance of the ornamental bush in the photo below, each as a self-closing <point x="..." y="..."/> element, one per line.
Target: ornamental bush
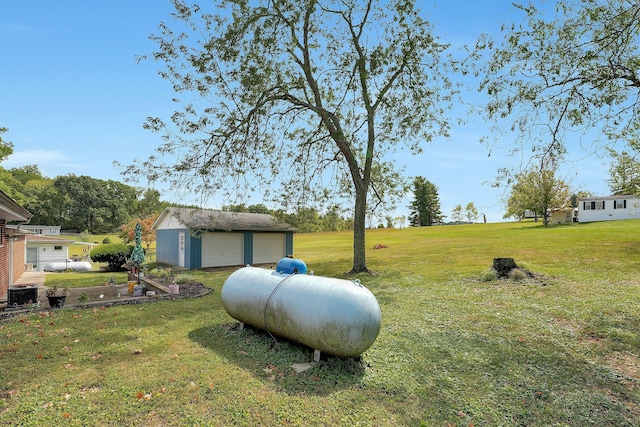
<point x="115" y="255"/>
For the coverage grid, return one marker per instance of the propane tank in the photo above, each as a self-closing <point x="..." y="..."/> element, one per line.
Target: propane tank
<point x="336" y="316"/>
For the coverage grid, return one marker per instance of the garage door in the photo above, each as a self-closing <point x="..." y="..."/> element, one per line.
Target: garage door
<point x="222" y="249"/>
<point x="268" y="247"/>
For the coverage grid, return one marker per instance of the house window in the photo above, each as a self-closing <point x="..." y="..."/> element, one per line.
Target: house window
<point x="57" y="248"/>
<point x="599" y="205"/>
<point x="620" y="204"/>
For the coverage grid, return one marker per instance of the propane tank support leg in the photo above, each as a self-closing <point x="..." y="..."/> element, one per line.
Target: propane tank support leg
<point x="316" y="355"/>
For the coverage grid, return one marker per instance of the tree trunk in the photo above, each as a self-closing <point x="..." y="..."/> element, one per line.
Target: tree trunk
<point x="503" y="266"/>
<point x="359" y="220"/>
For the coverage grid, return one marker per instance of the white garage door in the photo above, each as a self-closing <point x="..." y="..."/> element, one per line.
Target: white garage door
<point x="268" y="247"/>
<point x="222" y="249"/>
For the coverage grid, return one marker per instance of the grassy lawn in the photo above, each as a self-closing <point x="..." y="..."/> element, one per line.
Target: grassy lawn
<point x="83" y="279"/>
<point x="453" y="349"/>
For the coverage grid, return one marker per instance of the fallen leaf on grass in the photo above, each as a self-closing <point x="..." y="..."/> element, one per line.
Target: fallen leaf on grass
<point x="301" y="367"/>
<point x="137" y="351"/>
<point x="7" y="394"/>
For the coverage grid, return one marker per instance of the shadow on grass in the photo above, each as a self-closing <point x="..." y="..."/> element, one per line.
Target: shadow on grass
<point x="272" y="359"/>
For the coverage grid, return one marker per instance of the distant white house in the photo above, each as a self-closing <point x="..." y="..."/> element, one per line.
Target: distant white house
<point x="608" y="208"/>
<point x="42" y="250"/>
<point x="44" y="230"/>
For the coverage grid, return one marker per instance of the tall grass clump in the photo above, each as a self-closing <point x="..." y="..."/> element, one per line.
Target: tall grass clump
<point x="518" y="275"/>
<point x="489" y="275"/>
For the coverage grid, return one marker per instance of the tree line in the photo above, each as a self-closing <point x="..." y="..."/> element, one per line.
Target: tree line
<point x="79" y="203"/>
<point x="85" y="204"/>
<point x="424" y="209"/>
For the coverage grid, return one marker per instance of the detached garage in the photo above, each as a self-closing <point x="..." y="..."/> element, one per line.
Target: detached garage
<point x="198" y="238"/>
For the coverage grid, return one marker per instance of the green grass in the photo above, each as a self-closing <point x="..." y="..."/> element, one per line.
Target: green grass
<point x="83" y="279"/>
<point x="453" y="349"/>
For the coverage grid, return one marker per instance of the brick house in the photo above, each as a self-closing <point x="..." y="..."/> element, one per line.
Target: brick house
<point x="12" y="244"/>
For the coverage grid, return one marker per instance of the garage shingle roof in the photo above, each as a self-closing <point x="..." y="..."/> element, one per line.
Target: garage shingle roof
<point x="209" y="219"/>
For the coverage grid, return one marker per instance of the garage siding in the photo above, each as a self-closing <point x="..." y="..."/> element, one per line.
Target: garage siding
<point x="268" y="247"/>
<point x="220" y="249"/>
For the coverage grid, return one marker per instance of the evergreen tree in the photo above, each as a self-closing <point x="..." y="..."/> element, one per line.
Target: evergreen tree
<point x="425" y="207"/>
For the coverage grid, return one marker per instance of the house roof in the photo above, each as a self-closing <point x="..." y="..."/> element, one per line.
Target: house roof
<point x="39" y="238"/>
<point x="620" y="197"/>
<point x="10" y="210"/>
<point x="15" y="230"/>
<point x="209" y="219"/>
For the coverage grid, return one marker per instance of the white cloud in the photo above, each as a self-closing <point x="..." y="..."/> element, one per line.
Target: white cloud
<point x="50" y="162"/>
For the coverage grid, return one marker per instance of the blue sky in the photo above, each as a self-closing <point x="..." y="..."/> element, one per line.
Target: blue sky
<point x="75" y="99"/>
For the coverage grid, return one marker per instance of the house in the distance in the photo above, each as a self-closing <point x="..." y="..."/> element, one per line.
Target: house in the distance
<point x="44" y="230"/>
<point x="562" y="215"/>
<point x="198" y="238"/>
<point x="43" y="250"/>
<point x="608" y="208"/>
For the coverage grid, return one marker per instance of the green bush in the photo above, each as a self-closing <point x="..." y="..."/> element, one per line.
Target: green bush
<point x="106" y="241"/>
<point x="517" y="275"/>
<point x="184" y="278"/>
<point x="160" y="273"/>
<point x="489" y="275"/>
<point x="114" y="255"/>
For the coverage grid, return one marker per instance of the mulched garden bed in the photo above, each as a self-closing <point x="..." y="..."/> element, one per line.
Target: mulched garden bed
<point x="187" y="290"/>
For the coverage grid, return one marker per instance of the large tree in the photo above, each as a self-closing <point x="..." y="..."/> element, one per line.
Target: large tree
<point x="537" y="190"/>
<point x="425" y="206"/>
<point x="625" y="171"/>
<point x="571" y="66"/>
<point x="295" y="95"/>
<point x="6" y="147"/>
<point x="94" y="205"/>
<point x="471" y="212"/>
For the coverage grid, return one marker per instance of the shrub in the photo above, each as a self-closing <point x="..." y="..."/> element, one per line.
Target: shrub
<point x="184" y="278"/>
<point x="114" y="255"/>
<point x="489" y="275"/>
<point x="517" y="275"/>
<point x="160" y="273"/>
<point x="106" y="241"/>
